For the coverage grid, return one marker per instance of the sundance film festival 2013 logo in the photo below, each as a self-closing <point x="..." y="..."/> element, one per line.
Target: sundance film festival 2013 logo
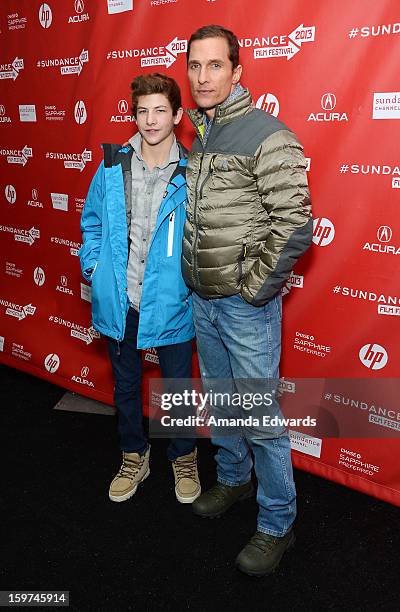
<point x="71" y="244"/>
<point x="11" y="71"/>
<point x="158" y="55"/>
<point x="10" y="193"/>
<point x="323" y="232"/>
<point x="124" y="113"/>
<point x="370" y="169"/>
<point x="74" y="161"/>
<point x="268" y="103"/>
<point x="384" y="29"/>
<point x="282" y="45"/>
<point x="22" y="235"/>
<point x="17" y="156"/>
<point x="80" y="112"/>
<point x="373" y="356"/>
<point x="67" y="65"/>
<point x="16" y="310"/>
<point x="328" y="105"/>
<point x="387" y="304"/>
<point x="85" y="334"/>
<point x="80" y="14"/>
<point x="294" y="281"/>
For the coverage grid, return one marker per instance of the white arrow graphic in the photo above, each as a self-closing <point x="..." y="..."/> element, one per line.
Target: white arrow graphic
<point x="18" y="63"/>
<point x="299" y="36"/>
<point x="177" y="46"/>
<point x="169" y="59"/>
<point x="29" y="309"/>
<point x="35" y="233"/>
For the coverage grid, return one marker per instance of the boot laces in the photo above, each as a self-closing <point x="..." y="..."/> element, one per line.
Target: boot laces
<point x="262" y="543"/>
<point x="185" y="467"/>
<point x="130" y="467"/>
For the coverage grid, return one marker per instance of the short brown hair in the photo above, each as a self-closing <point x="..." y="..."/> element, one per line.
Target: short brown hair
<point x="156" y="83"/>
<point x="216" y="31"/>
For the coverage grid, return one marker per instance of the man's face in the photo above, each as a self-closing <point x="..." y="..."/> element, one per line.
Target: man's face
<point x="154" y="118"/>
<point x="210" y="72"/>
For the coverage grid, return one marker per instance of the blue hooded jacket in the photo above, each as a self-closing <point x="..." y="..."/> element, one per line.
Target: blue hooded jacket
<point x="166" y="304"/>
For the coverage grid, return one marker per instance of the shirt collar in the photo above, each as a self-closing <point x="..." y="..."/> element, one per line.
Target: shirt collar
<point x="136" y="144"/>
<point x="238" y="90"/>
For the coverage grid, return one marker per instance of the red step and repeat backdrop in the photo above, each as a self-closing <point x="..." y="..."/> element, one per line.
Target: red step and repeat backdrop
<point x="327" y="69"/>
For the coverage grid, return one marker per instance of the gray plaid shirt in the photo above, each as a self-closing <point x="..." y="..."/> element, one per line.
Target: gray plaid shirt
<point x="148" y="189"/>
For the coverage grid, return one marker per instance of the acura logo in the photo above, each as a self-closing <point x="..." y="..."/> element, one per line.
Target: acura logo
<point x="122" y="107"/>
<point x="328" y="101"/>
<point x="34" y="194"/>
<point x="84" y="372"/>
<point x="384" y="233"/>
<point x="79" y="6"/>
<point x="2" y="110"/>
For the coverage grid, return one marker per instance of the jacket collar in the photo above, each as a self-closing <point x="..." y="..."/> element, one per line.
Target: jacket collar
<point x="225" y="112"/>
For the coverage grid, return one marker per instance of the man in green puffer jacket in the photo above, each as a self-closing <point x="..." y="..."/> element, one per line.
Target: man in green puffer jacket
<point x="248" y="221"/>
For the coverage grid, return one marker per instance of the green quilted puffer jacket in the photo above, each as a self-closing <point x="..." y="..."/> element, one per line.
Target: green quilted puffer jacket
<point x="249" y="213"/>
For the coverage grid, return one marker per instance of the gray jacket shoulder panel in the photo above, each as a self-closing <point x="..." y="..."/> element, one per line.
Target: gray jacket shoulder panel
<point x="243" y="136"/>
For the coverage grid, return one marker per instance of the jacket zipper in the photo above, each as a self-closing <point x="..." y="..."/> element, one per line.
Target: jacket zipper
<point x="196" y="236"/>
<point x="242" y="259"/>
<point x="199" y="193"/>
<point x="171" y="225"/>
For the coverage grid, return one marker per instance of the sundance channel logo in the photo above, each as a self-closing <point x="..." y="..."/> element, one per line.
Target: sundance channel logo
<point x="386" y="105"/>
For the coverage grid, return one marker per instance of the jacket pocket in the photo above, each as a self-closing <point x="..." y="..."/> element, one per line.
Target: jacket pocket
<point x="171" y="229"/>
<point x="91" y="272"/>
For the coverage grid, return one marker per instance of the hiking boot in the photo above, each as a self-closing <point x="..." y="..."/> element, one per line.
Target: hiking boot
<point x="214" y="502"/>
<point x="263" y="553"/>
<point x="187" y="483"/>
<point x="134" y="469"/>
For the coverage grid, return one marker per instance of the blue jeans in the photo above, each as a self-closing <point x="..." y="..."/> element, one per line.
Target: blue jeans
<point x="236" y="340"/>
<point x="126" y="361"/>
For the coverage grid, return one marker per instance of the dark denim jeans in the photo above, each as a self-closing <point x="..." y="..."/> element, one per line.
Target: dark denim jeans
<point x="126" y="361"/>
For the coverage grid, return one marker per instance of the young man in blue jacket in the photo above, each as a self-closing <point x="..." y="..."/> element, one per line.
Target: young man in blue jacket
<point x="132" y="228"/>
